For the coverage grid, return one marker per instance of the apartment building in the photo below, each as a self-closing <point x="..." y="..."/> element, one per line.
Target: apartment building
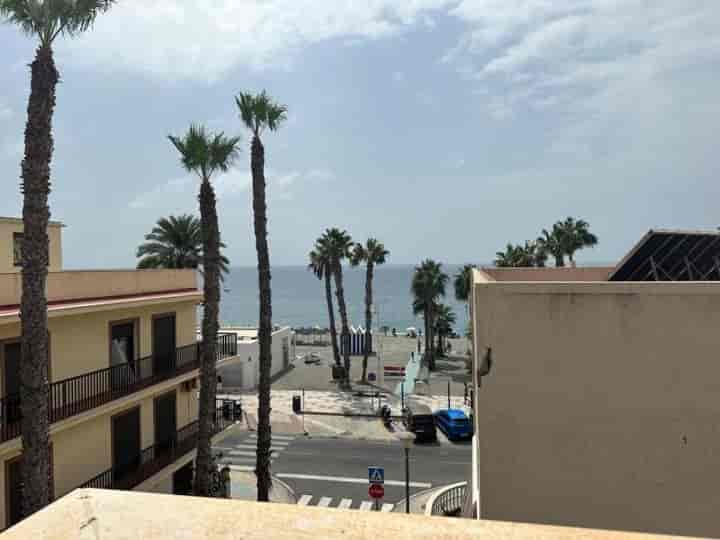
<point x="600" y="408"/>
<point x="123" y="366"/>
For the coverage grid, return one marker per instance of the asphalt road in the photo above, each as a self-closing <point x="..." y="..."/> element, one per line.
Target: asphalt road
<point x="328" y="470"/>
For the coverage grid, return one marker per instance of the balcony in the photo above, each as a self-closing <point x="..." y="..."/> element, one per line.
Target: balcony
<point x="73" y="396"/>
<point x="153" y="459"/>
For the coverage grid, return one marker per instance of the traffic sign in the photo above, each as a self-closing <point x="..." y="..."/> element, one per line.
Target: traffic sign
<point x="376" y="491"/>
<point x="376" y="475"/>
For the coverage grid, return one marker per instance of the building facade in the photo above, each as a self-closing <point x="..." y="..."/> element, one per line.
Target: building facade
<point x="600" y="405"/>
<point x="123" y="371"/>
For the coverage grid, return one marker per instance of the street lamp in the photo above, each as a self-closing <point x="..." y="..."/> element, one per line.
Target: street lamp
<point x="407" y="439"/>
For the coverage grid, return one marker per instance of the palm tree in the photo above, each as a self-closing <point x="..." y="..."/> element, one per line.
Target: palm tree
<point x="259" y="112"/>
<point x="44" y="21"/>
<point x="552" y="243"/>
<point x="444" y="321"/>
<point x="320" y="265"/>
<point x="339" y="245"/>
<point x="575" y="235"/>
<point x="428" y="285"/>
<point x="372" y="253"/>
<point x="176" y="242"/>
<point x="462" y="282"/>
<point x="204" y="154"/>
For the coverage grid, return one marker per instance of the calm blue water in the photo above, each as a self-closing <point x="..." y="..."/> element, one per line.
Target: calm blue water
<point x="298" y="297"/>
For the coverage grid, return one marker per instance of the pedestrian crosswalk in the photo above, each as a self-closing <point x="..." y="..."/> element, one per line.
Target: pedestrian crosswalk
<point x="343" y="504"/>
<point x="242" y="456"/>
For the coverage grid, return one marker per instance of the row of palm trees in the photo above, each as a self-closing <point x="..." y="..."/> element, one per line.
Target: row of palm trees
<point x="331" y="249"/>
<point x="563" y="240"/>
<point x="205" y="154"/>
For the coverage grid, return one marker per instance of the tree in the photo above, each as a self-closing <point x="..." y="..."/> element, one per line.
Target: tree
<point x="428" y="285"/>
<point x="44" y="21"/>
<point x="574" y="235"/>
<point x="321" y="266"/>
<point x="205" y="154"/>
<point x="552" y="243"/>
<point x="373" y="253"/>
<point x="515" y="256"/>
<point x="462" y="282"/>
<point x="176" y="242"/>
<point x="259" y="112"/>
<point x="339" y="245"/>
<point x="444" y="321"/>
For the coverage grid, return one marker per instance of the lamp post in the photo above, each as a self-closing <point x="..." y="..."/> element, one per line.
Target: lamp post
<point x="407" y="440"/>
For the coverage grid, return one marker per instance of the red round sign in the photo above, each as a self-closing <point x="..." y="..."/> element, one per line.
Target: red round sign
<point x="376" y="491"/>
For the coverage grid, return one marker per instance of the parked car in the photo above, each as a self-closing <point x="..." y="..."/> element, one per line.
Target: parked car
<point x="419" y="420"/>
<point x="454" y="423"/>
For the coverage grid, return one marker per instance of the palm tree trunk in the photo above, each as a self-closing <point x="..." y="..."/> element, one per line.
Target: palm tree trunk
<point x="429" y="339"/>
<point x="210" y="327"/>
<point x="34" y="384"/>
<point x="345" y="332"/>
<point x="368" y="318"/>
<point x="262" y="466"/>
<point x="331" y="315"/>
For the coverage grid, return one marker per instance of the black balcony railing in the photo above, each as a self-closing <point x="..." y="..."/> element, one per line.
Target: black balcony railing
<point x="135" y="470"/>
<point x="76" y="395"/>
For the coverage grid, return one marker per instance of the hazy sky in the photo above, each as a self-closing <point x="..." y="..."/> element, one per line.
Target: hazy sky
<point x="445" y="128"/>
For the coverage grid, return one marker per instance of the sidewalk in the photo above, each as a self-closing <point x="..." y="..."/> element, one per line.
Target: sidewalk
<point x="243" y="486"/>
<point x="418" y="501"/>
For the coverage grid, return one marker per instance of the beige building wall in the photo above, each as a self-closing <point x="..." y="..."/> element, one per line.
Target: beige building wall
<point x="601" y="409"/>
<point x="10" y="226"/>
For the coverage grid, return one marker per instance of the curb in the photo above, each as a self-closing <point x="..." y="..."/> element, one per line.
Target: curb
<point x="401" y="503"/>
<point x="290" y="490"/>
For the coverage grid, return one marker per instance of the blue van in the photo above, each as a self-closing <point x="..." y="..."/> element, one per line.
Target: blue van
<point x="454" y="423"/>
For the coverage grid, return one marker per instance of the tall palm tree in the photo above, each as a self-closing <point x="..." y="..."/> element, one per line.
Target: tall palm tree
<point x="205" y="154"/>
<point x="444" y="321"/>
<point x="176" y="242"/>
<point x="373" y="253"/>
<point x="44" y="21"/>
<point x="575" y="235"/>
<point x="320" y="264"/>
<point x="428" y="285"/>
<point x="259" y="112"/>
<point x="339" y="244"/>
<point x="462" y="282"/>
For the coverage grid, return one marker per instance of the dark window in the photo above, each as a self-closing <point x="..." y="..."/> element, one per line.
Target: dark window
<point x="17" y="248"/>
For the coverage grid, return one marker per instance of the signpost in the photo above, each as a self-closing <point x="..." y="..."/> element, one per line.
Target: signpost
<point x="376" y="477"/>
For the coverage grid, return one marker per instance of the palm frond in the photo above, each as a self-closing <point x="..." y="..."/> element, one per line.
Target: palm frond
<point x="259" y="111"/>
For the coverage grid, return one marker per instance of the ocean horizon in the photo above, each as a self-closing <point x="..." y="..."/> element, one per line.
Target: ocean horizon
<point x="298" y="297"/>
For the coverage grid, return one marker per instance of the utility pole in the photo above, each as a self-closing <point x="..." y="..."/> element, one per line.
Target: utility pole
<point x="448" y="393"/>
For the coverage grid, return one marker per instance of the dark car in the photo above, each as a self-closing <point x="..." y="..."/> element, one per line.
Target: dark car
<point x="454" y="423"/>
<point x="419" y="420"/>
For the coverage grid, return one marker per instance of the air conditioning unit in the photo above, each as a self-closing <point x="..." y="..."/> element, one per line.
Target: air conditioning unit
<point x="190" y="385"/>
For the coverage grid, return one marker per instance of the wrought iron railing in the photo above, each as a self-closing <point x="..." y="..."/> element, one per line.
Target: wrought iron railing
<point x="136" y="469"/>
<point x="450" y="502"/>
<point x="81" y="393"/>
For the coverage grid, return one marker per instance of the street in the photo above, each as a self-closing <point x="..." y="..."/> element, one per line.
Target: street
<point x="332" y="472"/>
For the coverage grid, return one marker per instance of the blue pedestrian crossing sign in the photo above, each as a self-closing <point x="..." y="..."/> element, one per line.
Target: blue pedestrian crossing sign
<point x="376" y="475"/>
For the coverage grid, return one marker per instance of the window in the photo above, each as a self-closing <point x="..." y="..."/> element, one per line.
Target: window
<point x="17" y="248"/>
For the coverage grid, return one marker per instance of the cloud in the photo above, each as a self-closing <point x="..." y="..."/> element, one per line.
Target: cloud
<point x="183" y="191"/>
<point x="201" y="40"/>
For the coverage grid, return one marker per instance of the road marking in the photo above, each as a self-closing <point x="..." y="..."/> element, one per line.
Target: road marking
<point x="273" y="448"/>
<point x="278" y="437"/>
<point x="242" y="468"/>
<point x="345" y="503"/>
<point x="387" y="507"/>
<point x="305" y="500"/>
<point x="366" y="506"/>
<point x="347" y="480"/>
<point x="253" y="444"/>
<point x="325" y="501"/>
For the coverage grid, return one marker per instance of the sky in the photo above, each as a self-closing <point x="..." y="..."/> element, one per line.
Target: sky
<point x="444" y="128"/>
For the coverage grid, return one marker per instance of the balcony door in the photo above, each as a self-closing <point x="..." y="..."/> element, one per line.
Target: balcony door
<point x="11" y="356"/>
<point x="165" y="422"/>
<point x="122" y="354"/>
<point x="163" y="343"/>
<point x="125" y="444"/>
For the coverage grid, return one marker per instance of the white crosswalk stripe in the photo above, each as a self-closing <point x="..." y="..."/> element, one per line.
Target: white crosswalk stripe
<point x="288" y="438"/>
<point x="343" y="504"/>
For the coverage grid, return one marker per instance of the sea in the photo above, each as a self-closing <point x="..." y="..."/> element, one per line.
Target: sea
<point x="298" y="297"/>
